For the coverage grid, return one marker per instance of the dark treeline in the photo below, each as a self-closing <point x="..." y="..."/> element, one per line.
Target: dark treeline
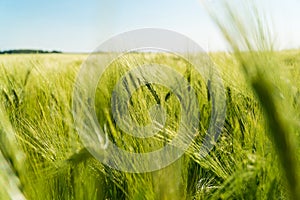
<point x="27" y="51"/>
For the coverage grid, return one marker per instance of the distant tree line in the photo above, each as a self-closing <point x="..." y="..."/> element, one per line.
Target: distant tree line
<point x="27" y="51"/>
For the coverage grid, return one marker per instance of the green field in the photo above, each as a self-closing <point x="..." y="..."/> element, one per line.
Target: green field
<point x="42" y="156"/>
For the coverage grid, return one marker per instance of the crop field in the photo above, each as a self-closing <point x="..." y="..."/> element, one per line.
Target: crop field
<point x="256" y="156"/>
<point x="42" y="156"/>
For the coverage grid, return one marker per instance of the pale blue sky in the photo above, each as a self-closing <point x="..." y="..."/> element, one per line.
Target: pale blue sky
<point x="80" y="26"/>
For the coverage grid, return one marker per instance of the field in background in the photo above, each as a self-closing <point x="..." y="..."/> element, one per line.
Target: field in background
<point x="42" y="156"/>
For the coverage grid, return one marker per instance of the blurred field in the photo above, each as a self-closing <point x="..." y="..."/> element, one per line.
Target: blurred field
<point x="42" y="156"/>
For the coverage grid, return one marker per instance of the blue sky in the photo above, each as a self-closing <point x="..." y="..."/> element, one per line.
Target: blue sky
<point x="80" y="26"/>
